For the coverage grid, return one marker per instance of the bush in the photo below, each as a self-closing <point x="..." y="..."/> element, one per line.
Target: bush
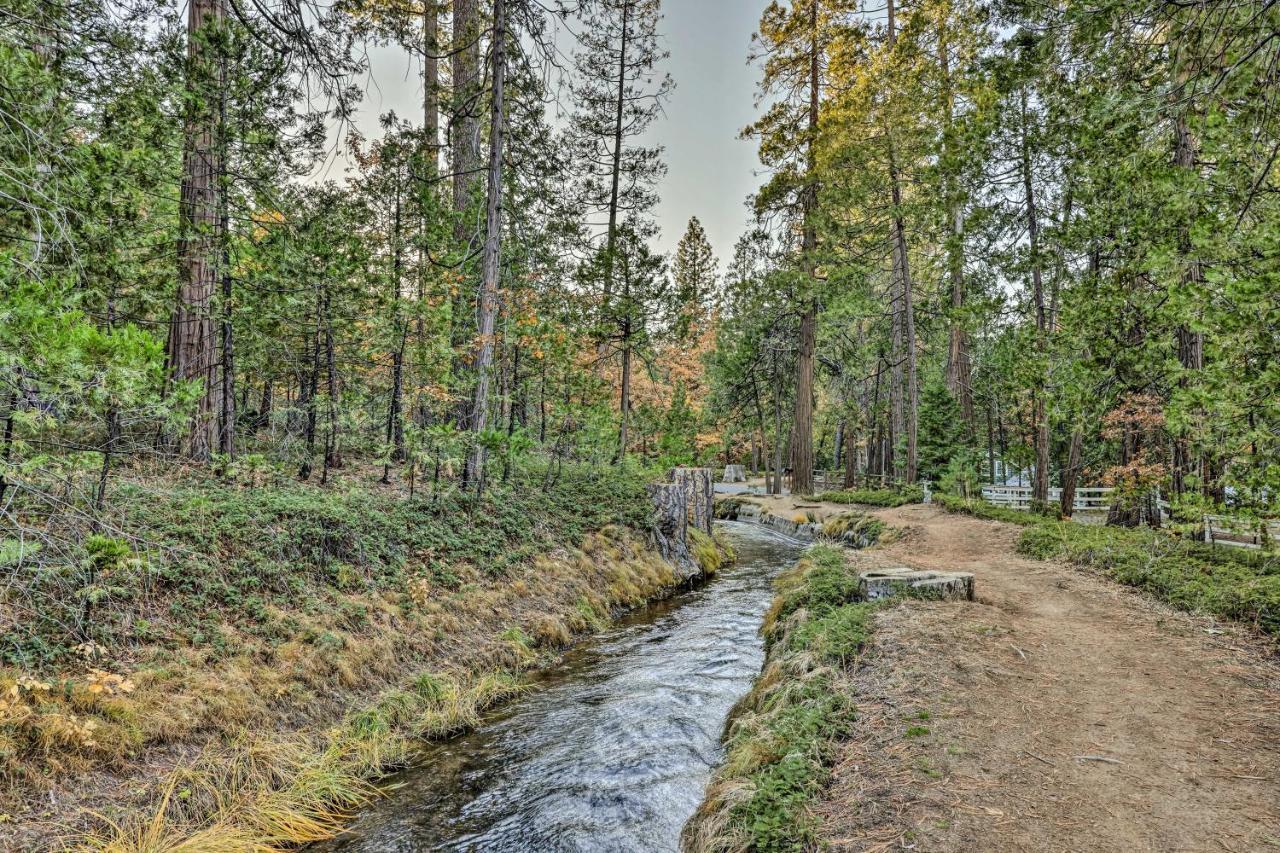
<point x="874" y="497"/>
<point x="1192" y="576"/>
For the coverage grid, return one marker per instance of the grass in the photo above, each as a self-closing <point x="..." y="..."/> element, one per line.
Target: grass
<point x="854" y="528"/>
<point x="979" y="508"/>
<point x="1230" y="583"/>
<point x="874" y="497"/>
<point x="711" y="552"/>
<point x="784" y="734"/>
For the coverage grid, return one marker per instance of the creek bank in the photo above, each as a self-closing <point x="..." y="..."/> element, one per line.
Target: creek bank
<point x="852" y="529"/>
<point x="272" y="744"/>
<point x="613" y="747"/>
<point x="785" y="735"/>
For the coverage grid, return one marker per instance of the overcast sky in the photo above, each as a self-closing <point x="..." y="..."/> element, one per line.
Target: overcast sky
<point x="711" y="171"/>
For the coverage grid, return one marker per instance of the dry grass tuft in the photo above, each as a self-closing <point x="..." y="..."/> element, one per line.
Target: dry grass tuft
<point x="264" y="778"/>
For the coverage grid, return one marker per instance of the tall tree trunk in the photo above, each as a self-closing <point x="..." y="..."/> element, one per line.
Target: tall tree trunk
<point x="1071" y="473"/>
<point x="802" y="443"/>
<point x="1039" y="411"/>
<point x="427" y="189"/>
<point x="464" y="142"/>
<point x="959" y="382"/>
<point x="395" y="407"/>
<point x="227" y="417"/>
<point x="909" y="396"/>
<point x="777" y="432"/>
<point x="431" y="89"/>
<point x="911" y="392"/>
<point x="487" y="313"/>
<point x="333" y="449"/>
<point x="192" y="347"/>
<point x="264" y="410"/>
<point x="1190" y="343"/>
<point x="310" y="387"/>
<point x="464" y="127"/>
<point x="850" y="438"/>
<point x="611" y="238"/>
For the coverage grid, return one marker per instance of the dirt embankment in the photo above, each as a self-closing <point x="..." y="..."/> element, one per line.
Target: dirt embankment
<point x="1059" y="711"/>
<point x="273" y="751"/>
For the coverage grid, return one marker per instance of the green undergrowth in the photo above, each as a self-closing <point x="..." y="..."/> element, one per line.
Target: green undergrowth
<point x="1231" y="583"/>
<point x="785" y="733"/>
<point x="193" y="558"/>
<point x="874" y="497"/>
<point x="982" y="509"/>
<point x="242" y="628"/>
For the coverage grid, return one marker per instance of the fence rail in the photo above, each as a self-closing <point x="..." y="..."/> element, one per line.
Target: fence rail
<point x="1019" y="497"/>
<point x="1217" y="528"/>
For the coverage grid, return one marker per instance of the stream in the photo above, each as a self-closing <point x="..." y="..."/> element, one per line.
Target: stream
<point x="612" y="747"/>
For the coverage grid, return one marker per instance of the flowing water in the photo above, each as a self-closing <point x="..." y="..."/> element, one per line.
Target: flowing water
<point x="611" y="749"/>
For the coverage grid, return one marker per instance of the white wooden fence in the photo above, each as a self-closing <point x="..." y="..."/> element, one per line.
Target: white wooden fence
<point x="1019" y="497"/>
<point x="1223" y="529"/>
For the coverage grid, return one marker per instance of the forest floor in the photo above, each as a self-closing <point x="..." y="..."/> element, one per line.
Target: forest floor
<point x="1058" y="711"/>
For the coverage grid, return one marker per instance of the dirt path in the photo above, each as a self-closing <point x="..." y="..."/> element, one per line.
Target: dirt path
<point x="1059" y="712"/>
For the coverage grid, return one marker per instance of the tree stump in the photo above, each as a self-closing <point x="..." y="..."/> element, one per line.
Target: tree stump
<point x="699" y="489"/>
<point x="734" y="474"/>
<point x="886" y="583"/>
<point x="671" y="530"/>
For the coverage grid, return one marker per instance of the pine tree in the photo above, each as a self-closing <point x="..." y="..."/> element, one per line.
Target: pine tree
<point x="618" y="93"/>
<point x="695" y="275"/>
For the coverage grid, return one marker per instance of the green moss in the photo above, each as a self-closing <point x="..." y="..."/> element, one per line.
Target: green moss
<point x="706" y="551"/>
<point x="853" y="527"/>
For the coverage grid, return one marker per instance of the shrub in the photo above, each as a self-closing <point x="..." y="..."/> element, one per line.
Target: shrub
<point x="874" y="497"/>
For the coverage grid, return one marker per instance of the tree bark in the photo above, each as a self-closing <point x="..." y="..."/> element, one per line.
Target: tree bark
<point x="1190" y="343"/>
<point x="1071" y="474"/>
<point x="395" y="406"/>
<point x="487" y="312"/>
<point x="959" y="381"/>
<point x="611" y="239"/>
<point x="698" y="485"/>
<point x="192" y="354"/>
<point x="802" y="443"/>
<point x="907" y="398"/>
<point x="1039" y="411"/>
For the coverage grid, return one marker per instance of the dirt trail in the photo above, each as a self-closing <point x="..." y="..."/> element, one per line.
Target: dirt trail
<point x="1059" y="712"/>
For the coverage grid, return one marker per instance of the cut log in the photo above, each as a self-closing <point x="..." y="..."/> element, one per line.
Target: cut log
<point x="734" y="474"/>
